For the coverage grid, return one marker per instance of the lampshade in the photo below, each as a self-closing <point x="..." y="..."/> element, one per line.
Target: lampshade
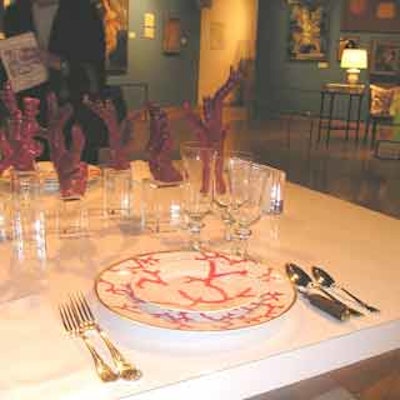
<point x="354" y="59"/>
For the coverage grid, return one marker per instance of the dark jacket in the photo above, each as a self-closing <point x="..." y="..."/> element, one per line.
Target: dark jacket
<point x="77" y="36"/>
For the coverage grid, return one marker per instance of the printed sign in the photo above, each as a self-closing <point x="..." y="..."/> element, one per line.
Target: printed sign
<point x="20" y="56"/>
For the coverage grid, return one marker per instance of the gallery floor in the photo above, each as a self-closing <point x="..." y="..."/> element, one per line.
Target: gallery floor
<point x="345" y="169"/>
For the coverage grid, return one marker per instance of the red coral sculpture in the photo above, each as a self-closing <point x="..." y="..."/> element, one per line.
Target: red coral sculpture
<point x="18" y="146"/>
<point x="160" y="146"/>
<point x="210" y="130"/>
<point x="71" y="171"/>
<point x="119" y="134"/>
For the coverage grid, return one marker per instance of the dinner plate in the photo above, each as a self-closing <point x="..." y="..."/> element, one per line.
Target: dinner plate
<point x="191" y="282"/>
<point x="194" y="291"/>
<point x="48" y="175"/>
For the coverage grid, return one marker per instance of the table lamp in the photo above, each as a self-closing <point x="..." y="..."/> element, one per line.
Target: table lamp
<point x="353" y="60"/>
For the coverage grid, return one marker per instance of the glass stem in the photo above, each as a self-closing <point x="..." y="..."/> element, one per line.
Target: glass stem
<point x="195" y="230"/>
<point x="241" y="237"/>
<point x="228" y="235"/>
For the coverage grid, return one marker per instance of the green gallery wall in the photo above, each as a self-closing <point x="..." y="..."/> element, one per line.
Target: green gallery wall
<point x="282" y="85"/>
<point x="171" y="78"/>
<point x="294" y="86"/>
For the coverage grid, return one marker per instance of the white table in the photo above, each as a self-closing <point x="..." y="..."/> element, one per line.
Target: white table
<point x="358" y="246"/>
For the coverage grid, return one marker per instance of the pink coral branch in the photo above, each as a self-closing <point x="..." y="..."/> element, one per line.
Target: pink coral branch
<point x="209" y="129"/>
<point x="6" y="152"/>
<point x="160" y="146"/>
<point x="19" y="147"/>
<point x="10" y="100"/>
<point x="117" y="133"/>
<point x="71" y="171"/>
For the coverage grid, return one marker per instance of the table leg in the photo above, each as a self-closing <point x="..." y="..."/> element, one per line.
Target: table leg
<point x="310" y="132"/>
<point x="331" y="104"/>
<point x="360" y="99"/>
<point x="373" y="136"/>
<point x="321" y="111"/>
<point x="366" y="132"/>
<point x="348" y="117"/>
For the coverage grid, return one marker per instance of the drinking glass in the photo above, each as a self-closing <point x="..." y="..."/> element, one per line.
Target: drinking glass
<point x="117" y="191"/>
<point x="162" y="205"/>
<point x="73" y="218"/>
<point x="27" y="216"/>
<point x="26" y="219"/>
<point x="275" y="190"/>
<point x="198" y="165"/>
<point x="3" y="218"/>
<point x="221" y="195"/>
<point x="246" y="188"/>
<point x="25" y="186"/>
<point x="28" y="233"/>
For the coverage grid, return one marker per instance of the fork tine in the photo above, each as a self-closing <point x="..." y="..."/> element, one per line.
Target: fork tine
<point x="73" y="317"/>
<point x="86" y="306"/>
<point x="69" y="319"/>
<point x="78" y="310"/>
<point x="64" y="319"/>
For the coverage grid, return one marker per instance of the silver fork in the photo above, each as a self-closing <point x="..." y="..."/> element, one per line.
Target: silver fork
<point x="71" y="323"/>
<point x="125" y="369"/>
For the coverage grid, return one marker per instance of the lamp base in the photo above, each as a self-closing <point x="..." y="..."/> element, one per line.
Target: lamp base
<point x="352" y="76"/>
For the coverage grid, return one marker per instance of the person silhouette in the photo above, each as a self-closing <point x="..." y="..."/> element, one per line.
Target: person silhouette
<point x="71" y="37"/>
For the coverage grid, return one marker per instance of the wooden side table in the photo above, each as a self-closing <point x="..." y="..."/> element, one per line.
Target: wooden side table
<point x="353" y="94"/>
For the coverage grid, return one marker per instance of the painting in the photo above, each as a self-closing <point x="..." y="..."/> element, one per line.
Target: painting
<point x="381" y="16"/>
<point x="116" y="14"/>
<point x="308" y="30"/>
<point x="172" y="36"/>
<point x="385" y="57"/>
<point x="347" y="42"/>
<point x="149" y="26"/>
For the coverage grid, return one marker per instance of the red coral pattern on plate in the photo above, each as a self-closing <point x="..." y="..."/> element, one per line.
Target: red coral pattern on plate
<point x="194" y="291"/>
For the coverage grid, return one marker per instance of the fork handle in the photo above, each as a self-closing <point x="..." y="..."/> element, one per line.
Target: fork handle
<point x="104" y="371"/>
<point x="126" y="370"/>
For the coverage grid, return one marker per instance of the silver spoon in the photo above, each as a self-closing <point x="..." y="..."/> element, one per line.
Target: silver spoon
<point x="300" y="277"/>
<point x="334" y="309"/>
<point x="324" y="279"/>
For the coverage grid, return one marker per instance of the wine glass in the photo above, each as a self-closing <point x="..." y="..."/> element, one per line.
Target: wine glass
<point x="221" y="195"/>
<point x="247" y="189"/>
<point x="198" y="164"/>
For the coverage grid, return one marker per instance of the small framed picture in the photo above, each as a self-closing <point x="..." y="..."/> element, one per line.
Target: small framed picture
<point x="347" y="42"/>
<point x="172" y="36"/>
<point x="385" y="57"/>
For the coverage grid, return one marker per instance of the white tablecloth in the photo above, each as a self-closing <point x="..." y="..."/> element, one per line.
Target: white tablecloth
<point x="357" y="245"/>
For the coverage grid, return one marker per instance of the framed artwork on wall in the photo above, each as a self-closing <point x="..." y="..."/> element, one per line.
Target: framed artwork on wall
<point x="308" y="30"/>
<point x="172" y="36"/>
<point x="116" y="14"/>
<point x="385" y="57"/>
<point x="381" y="16"/>
<point x="347" y="42"/>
